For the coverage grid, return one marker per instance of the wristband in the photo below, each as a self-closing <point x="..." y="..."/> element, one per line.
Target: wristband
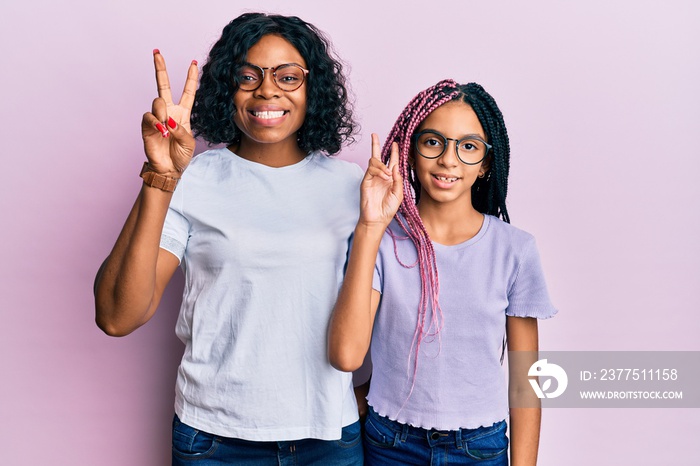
<point x="156" y="180"/>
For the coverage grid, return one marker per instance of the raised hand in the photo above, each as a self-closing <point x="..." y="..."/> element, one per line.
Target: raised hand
<point x="167" y="137"/>
<point x="381" y="191"/>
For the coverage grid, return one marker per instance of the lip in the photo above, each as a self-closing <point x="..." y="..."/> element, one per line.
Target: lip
<point x="266" y="108"/>
<point x="267" y="120"/>
<point x="444" y="184"/>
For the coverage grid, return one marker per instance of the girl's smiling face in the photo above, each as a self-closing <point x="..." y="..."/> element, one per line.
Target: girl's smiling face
<point x="446" y="179"/>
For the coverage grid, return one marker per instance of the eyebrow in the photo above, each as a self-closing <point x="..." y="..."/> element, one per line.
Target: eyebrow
<point x="276" y="66"/>
<point x="466" y="136"/>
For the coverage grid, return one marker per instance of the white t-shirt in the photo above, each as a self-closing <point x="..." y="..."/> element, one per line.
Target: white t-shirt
<point x="263" y="251"/>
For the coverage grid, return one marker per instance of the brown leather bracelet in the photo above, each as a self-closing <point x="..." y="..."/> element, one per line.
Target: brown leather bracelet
<point x="156" y="180"/>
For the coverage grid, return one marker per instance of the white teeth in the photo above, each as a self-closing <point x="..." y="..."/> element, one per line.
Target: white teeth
<point x="446" y="180"/>
<point x="269" y="115"/>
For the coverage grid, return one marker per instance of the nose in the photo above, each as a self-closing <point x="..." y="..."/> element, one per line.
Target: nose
<point x="449" y="157"/>
<point x="268" y="88"/>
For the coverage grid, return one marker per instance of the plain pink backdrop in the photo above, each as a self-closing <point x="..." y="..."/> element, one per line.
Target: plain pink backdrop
<point x="601" y="99"/>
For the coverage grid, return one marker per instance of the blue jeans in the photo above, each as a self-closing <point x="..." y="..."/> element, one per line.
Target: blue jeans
<point x="389" y="442"/>
<point x="195" y="447"/>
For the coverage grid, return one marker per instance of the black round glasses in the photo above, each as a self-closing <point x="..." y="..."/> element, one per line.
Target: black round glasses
<point x="470" y="150"/>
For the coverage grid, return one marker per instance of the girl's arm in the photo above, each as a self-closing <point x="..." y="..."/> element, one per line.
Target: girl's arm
<point x="350" y="330"/>
<point x="351" y="325"/>
<point x="524" y="422"/>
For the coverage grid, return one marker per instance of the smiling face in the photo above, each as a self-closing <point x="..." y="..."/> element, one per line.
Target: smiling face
<point x="269" y="115"/>
<point x="446" y="179"/>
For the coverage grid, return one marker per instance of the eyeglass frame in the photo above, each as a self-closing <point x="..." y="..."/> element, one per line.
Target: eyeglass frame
<point x="457" y="141"/>
<point x="274" y="75"/>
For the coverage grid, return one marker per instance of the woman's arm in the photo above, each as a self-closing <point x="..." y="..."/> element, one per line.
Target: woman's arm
<point x="524" y="421"/>
<point x="130" y="283"/>
<point x="351" y="324"/>
<point x="132" y="279"/>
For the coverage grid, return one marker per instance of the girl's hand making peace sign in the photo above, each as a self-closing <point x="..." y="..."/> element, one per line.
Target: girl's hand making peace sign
<point x="381" y="191"/>
<point x="167" y="137"/>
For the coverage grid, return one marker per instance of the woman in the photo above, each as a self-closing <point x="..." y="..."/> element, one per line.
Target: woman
<point x="261" y="229"/>
<point x="438" y="286"/>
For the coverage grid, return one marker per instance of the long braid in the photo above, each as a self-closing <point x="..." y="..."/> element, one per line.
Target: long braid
<point x="428" y="309"/>
<point x="488" y="194"/>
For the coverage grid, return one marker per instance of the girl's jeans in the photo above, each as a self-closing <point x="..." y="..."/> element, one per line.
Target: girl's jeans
<point x="388" y="442"/>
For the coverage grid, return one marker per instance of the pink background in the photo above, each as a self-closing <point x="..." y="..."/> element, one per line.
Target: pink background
<point x="601" y="100"/>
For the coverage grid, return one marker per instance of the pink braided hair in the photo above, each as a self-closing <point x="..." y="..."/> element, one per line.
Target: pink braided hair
<point x="429" y="312"/>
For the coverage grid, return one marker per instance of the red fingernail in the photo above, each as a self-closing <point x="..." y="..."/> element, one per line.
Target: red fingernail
<point x="172" y="123"/>
<point x="163" y="130"/>
<point x="194" y="62"/>
<point x="156" y="51"/>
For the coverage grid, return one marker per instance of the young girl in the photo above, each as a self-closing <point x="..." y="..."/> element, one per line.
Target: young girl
<point x="439" y="286"/>
<point x="261" y="228"/>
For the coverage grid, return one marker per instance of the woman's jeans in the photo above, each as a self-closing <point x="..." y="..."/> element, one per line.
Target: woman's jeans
<point x="194" y="447"/>
<point x="388" y="442"/>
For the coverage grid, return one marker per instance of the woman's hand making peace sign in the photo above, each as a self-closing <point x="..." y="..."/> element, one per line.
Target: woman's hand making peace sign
<point x="167" y="137"/>
<point x="381" y="191"/>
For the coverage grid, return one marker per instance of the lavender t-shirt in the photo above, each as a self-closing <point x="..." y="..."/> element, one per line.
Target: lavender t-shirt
<point x="459" y="382"/>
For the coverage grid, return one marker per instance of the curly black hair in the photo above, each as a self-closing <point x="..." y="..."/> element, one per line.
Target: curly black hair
<point x="329" y="121"/>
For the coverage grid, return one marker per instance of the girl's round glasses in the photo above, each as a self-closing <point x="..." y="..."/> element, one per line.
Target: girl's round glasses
<point x="432" y="144"/>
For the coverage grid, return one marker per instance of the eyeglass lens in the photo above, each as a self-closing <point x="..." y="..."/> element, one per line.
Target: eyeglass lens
<point x="287" y="77"/>
<point x="432" y="145"/>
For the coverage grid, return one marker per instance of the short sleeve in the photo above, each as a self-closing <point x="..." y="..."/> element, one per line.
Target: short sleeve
<point x="528" y="296"/>
<point x="176" y="229"/>
<point x="359" y="172"/>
